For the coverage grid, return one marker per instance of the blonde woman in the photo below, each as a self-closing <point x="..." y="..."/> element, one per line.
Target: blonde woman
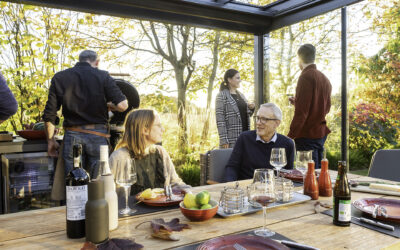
<point x="154" y="167"/>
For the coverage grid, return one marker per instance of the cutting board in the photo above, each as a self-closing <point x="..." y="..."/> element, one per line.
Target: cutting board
<point x="366" y="189"/>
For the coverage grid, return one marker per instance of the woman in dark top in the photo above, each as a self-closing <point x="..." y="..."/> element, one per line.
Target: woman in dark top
<point x="231" y="110"/>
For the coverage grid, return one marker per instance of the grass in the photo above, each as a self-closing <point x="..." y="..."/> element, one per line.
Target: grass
<point x="189" y="170"/>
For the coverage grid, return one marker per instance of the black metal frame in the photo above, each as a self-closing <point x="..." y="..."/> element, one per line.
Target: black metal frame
<point x="217" y="14"/>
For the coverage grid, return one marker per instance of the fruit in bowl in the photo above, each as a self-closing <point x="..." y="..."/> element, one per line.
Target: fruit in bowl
<point x="198" y="207"/>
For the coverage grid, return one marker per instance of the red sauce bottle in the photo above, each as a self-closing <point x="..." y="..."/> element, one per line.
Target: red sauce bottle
<point x="310" y="182"/>
<point x="324" y="180"/>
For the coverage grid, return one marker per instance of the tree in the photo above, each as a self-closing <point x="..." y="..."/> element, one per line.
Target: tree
<point x="36" y="42"/>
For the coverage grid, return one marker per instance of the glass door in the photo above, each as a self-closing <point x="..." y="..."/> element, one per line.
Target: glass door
<point x="28" y="181"/>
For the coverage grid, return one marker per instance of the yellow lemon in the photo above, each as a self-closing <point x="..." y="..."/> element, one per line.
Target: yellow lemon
<point x="158" y="190"/>
<point x="189" y="200"/>
<point x="148" y="194"/>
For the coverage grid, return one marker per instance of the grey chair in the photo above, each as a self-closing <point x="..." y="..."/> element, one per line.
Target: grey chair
<point x="212" y="165"/>
<point x="385" y="164"/>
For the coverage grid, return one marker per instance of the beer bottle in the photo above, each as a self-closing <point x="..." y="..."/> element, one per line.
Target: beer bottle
<point x="341" y="197"/>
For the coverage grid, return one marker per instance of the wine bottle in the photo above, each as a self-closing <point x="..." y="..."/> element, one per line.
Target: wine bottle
<point x="341" y="197"/>
<point x="109" y="188"/>
<point x="77" y="195"/>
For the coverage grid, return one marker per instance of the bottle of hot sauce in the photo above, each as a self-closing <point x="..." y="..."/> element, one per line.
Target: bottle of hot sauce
<point x="324" y="180"/>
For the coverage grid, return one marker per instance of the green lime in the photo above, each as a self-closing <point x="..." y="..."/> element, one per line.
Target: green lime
<point x="194" y="208"/>
<point x="206" y="206"/>
<point x="202" y="198"/>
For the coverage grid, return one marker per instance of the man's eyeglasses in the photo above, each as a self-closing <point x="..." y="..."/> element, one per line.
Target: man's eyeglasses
<point x="264" y="119"/>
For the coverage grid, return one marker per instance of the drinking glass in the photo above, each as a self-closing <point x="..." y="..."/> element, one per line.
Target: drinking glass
<point x="263" y="174"/>
<point x="278" y="159"/>
<point x="126" y="177"/>
<point x="263" y="193"/>
<point x="302" y="159"/>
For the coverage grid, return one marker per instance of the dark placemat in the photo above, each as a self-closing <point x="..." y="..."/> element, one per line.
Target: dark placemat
<point x="274" y="237"/>
<point x="141" y="208"/>
<point x="356" y="213"/>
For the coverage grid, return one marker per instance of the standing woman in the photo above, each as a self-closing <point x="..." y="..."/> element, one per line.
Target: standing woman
<point x="232" y="110"/>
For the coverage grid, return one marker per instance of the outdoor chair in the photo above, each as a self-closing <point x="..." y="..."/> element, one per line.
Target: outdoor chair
<point x="212" y="166"/>
<point x="385" y="164"/>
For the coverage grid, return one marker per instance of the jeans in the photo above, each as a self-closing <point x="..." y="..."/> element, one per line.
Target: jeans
<point x="91" y="150"/>
<point x="316" y="145"/>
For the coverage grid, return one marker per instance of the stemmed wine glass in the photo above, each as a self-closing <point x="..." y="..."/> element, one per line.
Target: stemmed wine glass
<point x="278" y="159"/>
<point x="263" y="174"/>
<point x="302" y="159"/>
<point x="263" y="193"/>
<point x="125" y="177"/>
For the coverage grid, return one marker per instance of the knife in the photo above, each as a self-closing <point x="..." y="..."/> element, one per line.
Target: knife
<point x="296" y="245"/>
<point x="375" y="223"/>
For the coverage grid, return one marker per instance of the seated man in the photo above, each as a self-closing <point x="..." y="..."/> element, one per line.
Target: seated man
<point x="253" y="148"/>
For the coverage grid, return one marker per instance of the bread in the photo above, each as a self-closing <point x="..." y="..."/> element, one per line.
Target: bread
<point x="388" y="187"/>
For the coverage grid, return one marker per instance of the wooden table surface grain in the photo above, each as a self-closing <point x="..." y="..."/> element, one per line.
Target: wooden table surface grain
<point x="45" y="228"/>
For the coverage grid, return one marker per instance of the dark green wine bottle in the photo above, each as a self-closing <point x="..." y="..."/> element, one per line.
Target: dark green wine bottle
<point x="341" y="197"/>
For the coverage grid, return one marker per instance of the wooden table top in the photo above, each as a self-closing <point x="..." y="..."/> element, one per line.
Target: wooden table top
<point x="45" y="228"/>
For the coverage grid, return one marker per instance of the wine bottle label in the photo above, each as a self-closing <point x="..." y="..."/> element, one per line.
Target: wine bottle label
<point x="77" y="197"/>
<point x="344" y="210"/>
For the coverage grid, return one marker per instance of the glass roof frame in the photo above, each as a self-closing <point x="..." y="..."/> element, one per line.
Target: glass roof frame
<point x="230" y="15"/>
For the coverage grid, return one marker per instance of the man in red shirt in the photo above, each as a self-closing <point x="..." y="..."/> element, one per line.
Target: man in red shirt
<point x="312" y="103"/>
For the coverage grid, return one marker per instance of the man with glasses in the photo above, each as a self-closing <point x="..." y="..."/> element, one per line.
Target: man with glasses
<point x="253" y="148"/>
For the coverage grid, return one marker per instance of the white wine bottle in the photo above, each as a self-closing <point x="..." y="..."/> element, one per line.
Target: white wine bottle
<point x="109" y="188"/>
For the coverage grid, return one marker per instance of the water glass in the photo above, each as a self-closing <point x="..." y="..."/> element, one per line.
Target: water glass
<point x="284" y="190"/>
<point x="302" y="159"/>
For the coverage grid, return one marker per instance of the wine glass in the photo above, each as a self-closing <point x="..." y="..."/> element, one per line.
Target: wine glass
<point x="263" y="174"/>
<point x="263" y="193"/>
<point x="125" y="177"/>
<point x="278" y="159"/>
<point x="302" y="159"/>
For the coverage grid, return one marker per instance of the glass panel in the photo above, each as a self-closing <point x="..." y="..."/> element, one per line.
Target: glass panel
<point x="30" y="181"/>
<point x="256" y="2"/>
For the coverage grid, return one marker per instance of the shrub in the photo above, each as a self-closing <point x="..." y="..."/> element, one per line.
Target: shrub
<point x="371" y="128"/>
<point x="190" y="173"/>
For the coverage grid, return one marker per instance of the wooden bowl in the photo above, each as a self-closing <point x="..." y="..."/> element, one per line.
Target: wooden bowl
<point x="199" y="214"/>
<point x="32" y="134"/>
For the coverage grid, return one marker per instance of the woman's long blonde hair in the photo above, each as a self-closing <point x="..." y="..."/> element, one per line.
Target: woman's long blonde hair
<point x="133" y="138"/>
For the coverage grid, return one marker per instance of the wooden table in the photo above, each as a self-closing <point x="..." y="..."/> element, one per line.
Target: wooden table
<point x="45" y="229"/>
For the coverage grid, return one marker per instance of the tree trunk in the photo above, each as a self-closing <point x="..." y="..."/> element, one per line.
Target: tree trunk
<point x="182" y="135"/>
<point x="210" y="87"/>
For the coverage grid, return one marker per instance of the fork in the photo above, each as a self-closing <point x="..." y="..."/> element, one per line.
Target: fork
<point x="238" y="247"/>
<point x="168" y="192"/>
